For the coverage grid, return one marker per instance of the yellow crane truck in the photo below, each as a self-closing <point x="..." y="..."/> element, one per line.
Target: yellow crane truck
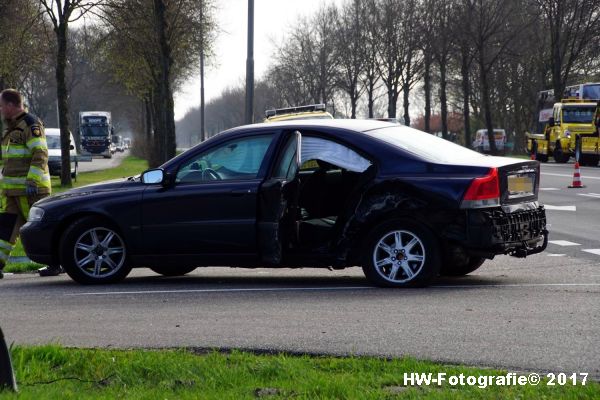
<point x="567" y="129"/>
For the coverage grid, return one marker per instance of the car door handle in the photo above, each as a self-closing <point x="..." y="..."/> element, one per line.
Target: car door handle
<point x="240" y="192"/>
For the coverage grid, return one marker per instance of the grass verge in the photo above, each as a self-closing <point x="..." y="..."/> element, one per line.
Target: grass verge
<point x="130" y="166"/>
<point x="49" y="372"/>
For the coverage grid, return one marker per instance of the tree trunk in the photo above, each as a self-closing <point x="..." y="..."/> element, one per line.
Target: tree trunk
<point x="485" y="97"/>
<point x="353" y="101"/>
<point x="406" y="103"/>
<point x="466" y="87"/>
<point x="165" y="129"/>
<point x="370" y="91"/>
<point x="427" y="89"/>
<point x="392" y="101"/>
<point x="62" y="94"/>
<point x="443" y="99"/>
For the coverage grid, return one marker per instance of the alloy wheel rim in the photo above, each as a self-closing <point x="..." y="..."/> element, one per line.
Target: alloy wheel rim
<point x="99" y="252"/>
<point x="399" y="256"/>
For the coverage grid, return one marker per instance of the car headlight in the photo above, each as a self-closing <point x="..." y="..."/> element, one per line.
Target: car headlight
<point x="35" y="214"/>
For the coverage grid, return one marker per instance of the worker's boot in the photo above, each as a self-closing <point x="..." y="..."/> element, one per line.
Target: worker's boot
<point x="51" y="270"/>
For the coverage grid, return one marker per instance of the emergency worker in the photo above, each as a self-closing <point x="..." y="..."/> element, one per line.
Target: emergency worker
<point x="25" y="176"/>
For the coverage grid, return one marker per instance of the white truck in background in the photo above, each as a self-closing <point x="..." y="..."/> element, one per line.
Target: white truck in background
<point x="95" y="133"/>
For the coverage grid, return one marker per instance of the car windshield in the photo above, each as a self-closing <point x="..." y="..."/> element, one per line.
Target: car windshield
<point x="584" y="115"/>
<point x="423" y="144"/>
<point x="94" y="131"/>
<point x="53" y="142"/>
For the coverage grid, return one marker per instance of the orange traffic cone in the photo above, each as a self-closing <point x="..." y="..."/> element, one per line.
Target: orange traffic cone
<point x="576" y="178"/>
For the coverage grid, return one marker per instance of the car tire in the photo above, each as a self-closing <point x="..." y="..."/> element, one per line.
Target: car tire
<point x="390" y="241"/>
<point x="172" y="271"/>
<point x="450" y="269"/>
<point x="92" y="251"/>
<point x="560" y="156"/>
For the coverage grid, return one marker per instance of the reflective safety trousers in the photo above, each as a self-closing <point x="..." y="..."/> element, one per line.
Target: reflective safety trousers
<point x="14" y="211"/>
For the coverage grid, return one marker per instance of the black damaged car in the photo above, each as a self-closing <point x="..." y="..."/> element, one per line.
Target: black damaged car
<point x="404" y="205"/>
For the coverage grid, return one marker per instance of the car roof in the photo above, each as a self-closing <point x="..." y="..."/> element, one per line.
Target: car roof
<point x="357" y="125"/>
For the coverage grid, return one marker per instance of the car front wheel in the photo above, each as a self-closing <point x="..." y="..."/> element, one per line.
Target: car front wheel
<point x="401" y="254"/>
<point x="93" y="252"/>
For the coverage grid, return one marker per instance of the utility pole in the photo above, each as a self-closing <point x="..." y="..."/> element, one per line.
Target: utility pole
<point x="250" y="66"/>
<point x="202" y="121"/>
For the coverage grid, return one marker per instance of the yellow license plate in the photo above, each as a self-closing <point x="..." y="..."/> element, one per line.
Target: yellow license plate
<point x="520" y="185"/>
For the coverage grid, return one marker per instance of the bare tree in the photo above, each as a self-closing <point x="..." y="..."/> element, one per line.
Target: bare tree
<point x="390" y="48"/>
<point x="442" y="44"/>
<point x="371" y="77"/>
<point x="413" y="56"/>
<point x="61" y="14"/>
<point x="491" y="33"/>
<point x="427" y="29"/>
<point x="306" y="65"/>
<point x="573" y="29"/>
<point x="350" y="51"/>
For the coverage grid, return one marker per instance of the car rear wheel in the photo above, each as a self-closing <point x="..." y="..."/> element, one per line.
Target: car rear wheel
<point x="93" y="252"/>
<point x="401" y="254"/>
<point x="473" y="263"/>
<point x="172" y="271"/>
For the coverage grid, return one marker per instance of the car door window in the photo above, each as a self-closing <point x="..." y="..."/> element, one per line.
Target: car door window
<point x="287" y="166"/>
<point x="233" y="160"/>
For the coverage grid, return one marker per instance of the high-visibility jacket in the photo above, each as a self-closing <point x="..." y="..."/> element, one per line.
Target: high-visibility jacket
<point x="24" y="156"/>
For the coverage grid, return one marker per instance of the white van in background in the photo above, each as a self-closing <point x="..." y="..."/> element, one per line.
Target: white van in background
<point x="54" y="156"/>
<point x="482" y="143"/>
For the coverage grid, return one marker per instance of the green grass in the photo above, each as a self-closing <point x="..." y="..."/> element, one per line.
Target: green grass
<point x="130" y="166"/>
<point x="50" y="372"/>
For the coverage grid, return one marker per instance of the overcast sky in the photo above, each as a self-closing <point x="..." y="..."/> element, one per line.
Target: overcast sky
<point x="272" y="20"/>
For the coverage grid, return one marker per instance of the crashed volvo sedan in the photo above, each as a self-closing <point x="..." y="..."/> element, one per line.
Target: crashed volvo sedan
<point x="404" y="205"/>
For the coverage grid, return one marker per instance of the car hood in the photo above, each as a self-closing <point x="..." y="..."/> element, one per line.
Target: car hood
<point x="101" y="187"/>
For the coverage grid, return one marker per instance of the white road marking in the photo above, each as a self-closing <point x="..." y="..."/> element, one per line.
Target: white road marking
<point x="548" y="189"/>
<point x="595" y="195"/>
<point x="560" y="208"/>
<point x="555" y="255"/>
<point x="563" y="243"/>
<point x="319" y="288"/>
<point x="569" y="176"/>
<point x="593" y="251"/>
<point x="283" y="289"/>
<point x="518" y="285"/>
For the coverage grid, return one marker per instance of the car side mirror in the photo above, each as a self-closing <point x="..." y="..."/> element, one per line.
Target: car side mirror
<point x="551" y="121"/>
<point x="153" y="176"/>
<point x="71" y="147"/>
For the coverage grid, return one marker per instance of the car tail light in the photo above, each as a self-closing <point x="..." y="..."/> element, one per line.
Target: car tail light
<point x="483" y="191"/>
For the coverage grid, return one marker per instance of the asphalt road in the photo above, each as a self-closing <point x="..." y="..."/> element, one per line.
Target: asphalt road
<point x="573" y="214"/>
<point x="98" y="164"/>
<point x="540" y="314"/>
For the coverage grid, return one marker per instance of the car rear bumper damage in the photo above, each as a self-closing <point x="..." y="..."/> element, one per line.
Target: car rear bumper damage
<point x="516" y="232"/>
